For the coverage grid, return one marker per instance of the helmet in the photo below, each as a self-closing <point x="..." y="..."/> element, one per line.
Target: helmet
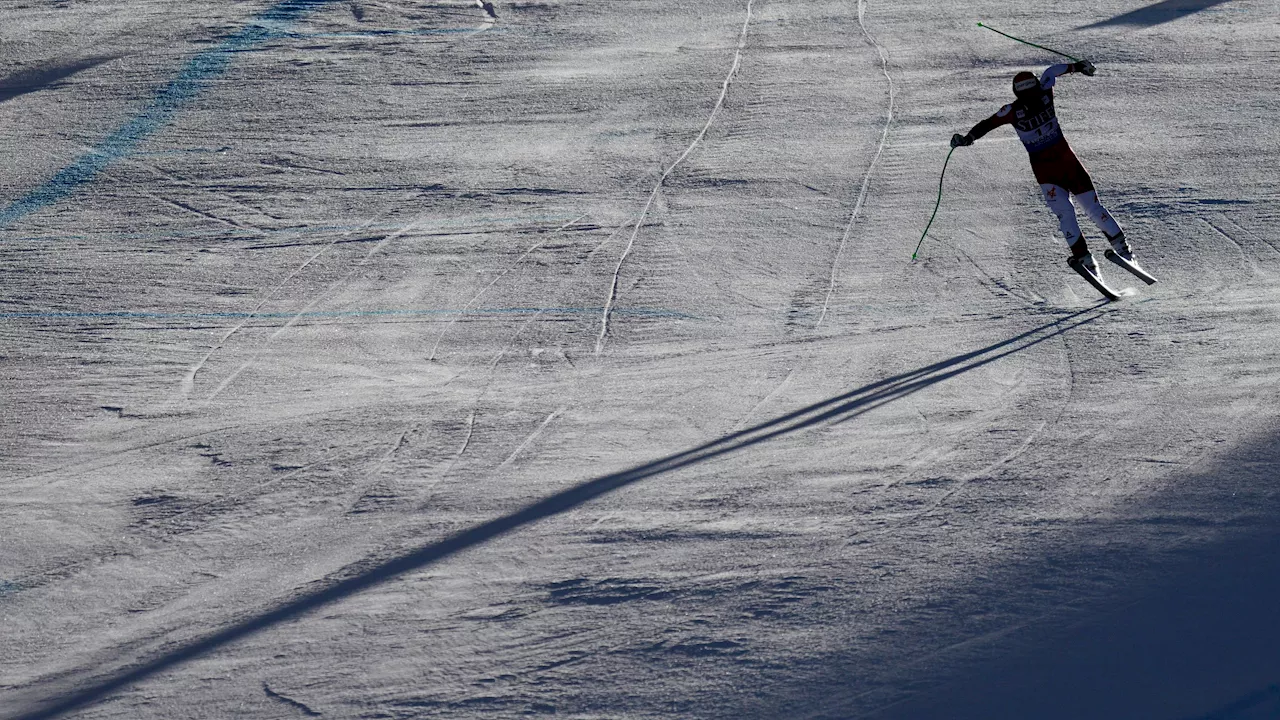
<point x="1024" y="82"/>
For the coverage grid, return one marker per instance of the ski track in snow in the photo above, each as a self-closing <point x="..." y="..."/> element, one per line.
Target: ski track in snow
<point x="171" y="99"/>
<point x="138" y="160"/>
<point x="657" y="188"/>
<point x="763" y="401"/>
<point x="471" y="303"/>
<point x="107" y="174"/>
<point x="189" y="378"/>
<point x="471" y="426"/>
<point x="320" y="297"/>
<point x="444" y="472"/>
<point x="908" y="554"/>
<point x="493" y="364"/>
<point x="447" y="469"/>
<point x="866" y="178"/>
<point x="532" y="436"/>
<point x="121" y="455"/>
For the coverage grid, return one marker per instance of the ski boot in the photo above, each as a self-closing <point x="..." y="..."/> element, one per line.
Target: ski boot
<point x="1121" y="247"/>
<point x="1122" y="255"/>
<point x="1082" y="262"/>
<point x="1081" y="256"/>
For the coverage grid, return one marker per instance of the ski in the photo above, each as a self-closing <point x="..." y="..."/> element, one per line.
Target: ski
<point x="1094" y="280"/>
<point x="1131" y="266"/>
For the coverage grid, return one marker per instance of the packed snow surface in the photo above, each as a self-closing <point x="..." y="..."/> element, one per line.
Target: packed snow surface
<point x="389" y="359"/>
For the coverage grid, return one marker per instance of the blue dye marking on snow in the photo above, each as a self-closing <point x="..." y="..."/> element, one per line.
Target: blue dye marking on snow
<point x="171" y="98"/>
<point x="141" y="315"/>
<point x="8" y="588"/>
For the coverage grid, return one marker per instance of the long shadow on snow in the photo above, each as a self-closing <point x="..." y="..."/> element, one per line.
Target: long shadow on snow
<point x="35" y="79"/>
<point x="1143" y="621"/>
<point x="839" y="408"/>
<point x="1250" y="706"/>
<point x="1161" y="12"/>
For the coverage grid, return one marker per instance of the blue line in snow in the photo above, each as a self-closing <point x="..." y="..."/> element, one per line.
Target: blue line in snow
<point x="169" y="99"/>
<point x="130" y="314"/>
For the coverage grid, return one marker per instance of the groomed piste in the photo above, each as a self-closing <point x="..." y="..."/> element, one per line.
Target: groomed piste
<point x="560" y="358"/>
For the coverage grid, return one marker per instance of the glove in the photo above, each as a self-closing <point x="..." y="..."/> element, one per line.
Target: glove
<point x="1085" y="67"/>
<point x="959" y="140"/>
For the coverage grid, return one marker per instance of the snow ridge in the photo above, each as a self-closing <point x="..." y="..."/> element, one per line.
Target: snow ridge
<point x="866" y="179"/>
<point x="724" y="91"/>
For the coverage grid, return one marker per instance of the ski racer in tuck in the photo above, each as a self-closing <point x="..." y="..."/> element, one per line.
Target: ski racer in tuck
<point x="1061" y="176"/>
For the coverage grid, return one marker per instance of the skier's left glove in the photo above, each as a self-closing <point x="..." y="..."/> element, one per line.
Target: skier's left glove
<point x="959" y="140"/>
<point x="1085" y="67"/>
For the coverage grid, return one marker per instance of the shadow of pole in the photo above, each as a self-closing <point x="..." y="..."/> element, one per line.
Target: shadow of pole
<point x="836" y="409"/>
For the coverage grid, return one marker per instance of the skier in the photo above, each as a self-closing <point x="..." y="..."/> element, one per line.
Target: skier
<point x="1061" y="176"/>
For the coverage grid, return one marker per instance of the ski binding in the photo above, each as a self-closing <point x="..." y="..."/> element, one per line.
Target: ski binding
<point x="1131" y="266"/>
<point x="1094" y="280"/>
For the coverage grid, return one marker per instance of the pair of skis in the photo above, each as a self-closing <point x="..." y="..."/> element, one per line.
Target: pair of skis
<point x="1095" y="279"/>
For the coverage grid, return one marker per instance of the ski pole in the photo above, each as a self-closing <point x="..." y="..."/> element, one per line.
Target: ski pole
<point x="935" y="206"/>
<point x="1024" y="42"/>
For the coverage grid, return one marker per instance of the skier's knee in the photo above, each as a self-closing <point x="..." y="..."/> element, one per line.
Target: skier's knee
<point x="1058" y="199"/>
<point x="1089" y="203"/>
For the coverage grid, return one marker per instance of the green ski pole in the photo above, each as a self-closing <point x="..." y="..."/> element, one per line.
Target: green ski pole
<point x="935" y="206"/>
<point x="1024" y="42"/>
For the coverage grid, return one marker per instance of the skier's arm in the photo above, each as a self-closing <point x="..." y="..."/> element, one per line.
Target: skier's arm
<point x="1052" y="72"/>
<point x="1003" y="117"/>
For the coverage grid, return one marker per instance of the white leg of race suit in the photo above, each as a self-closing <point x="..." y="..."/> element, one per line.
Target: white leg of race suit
<point x="1098" y="214"/>
<point x="1059" y="201"/>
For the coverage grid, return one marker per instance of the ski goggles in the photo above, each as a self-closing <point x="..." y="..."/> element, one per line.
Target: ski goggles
<point x="1025" y="85"/>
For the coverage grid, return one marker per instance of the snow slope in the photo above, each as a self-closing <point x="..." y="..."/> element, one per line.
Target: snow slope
<point x="380" y="359"/>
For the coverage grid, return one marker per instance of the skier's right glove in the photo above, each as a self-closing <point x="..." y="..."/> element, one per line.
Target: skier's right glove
<point x="1084" y="67"/>
<point x="959" y="140"/>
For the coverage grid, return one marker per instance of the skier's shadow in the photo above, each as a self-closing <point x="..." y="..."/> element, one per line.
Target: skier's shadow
<point x="1161" y="12"/>
<point x="840" y="408"/>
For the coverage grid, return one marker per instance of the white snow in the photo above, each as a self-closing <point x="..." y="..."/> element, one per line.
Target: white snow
<point x="283" y="310"/>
